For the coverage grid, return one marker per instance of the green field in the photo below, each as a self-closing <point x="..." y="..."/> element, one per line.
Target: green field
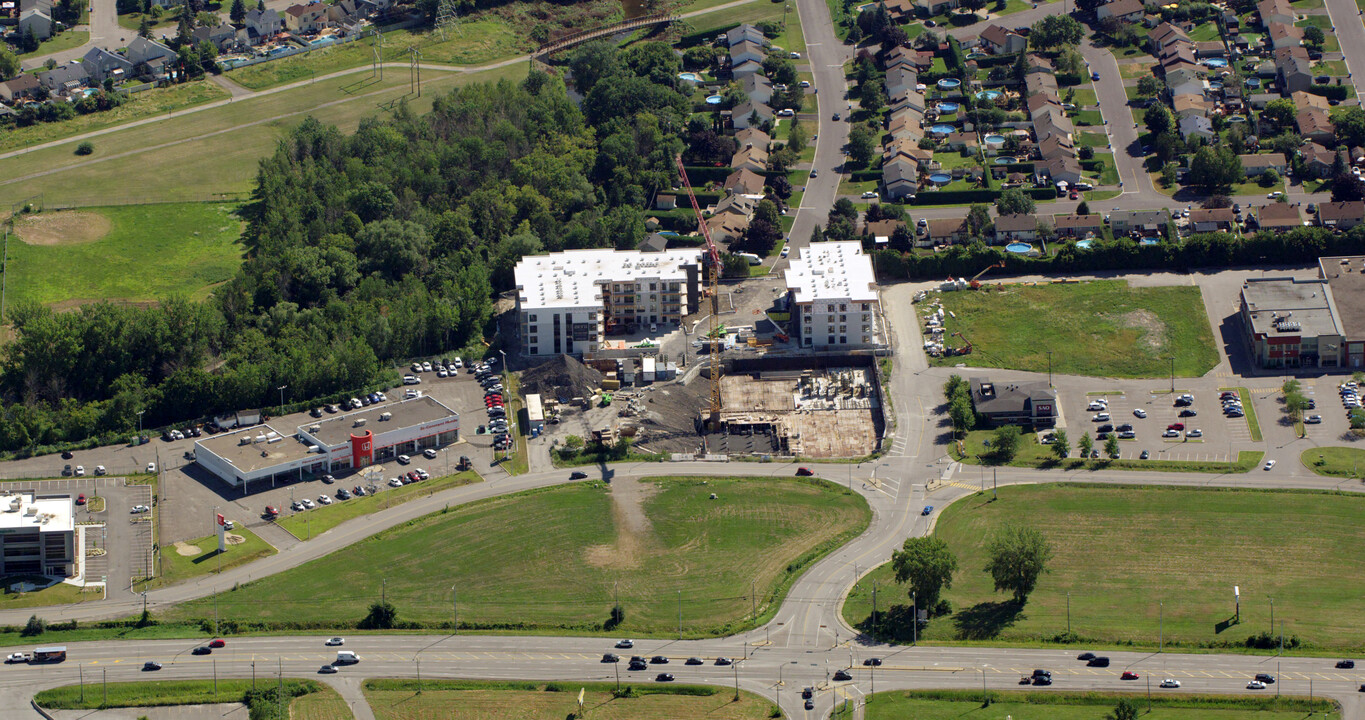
<point x="468" y="700"/>
<point x="1102" y="328"/>
<point x="161" y="693"/>
<point x="552" y="560"/>
<point x="1342" y="462"/>
<point x="200" y="557"/>
<point x="1031" y="453"/>
<point x="1121" y="551"/>
<point x="59" y="594"/>
<point x="133" y="253"/>
<point x="960" y="705"/>
<point x="148" y="103"/>
<point x="236" y="136"/>
<point x="312" y="523"/>
<point x="475" y="43"/>
<point x="64" y="41"/>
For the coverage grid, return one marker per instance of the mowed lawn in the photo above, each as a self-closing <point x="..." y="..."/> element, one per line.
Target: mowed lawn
<point x="308" y="524"/>
<point x="949" y="705"/>
<point x="148" y="103"/>
<point x="465" y="700"/>
<point x="1335" y="461"/>
<point x="132" y="253"/>
<point x="1103" y="328"/>
<point x="184" y="560"/>
<point x="1121" y="551"/>
<point x="551" y="560"/>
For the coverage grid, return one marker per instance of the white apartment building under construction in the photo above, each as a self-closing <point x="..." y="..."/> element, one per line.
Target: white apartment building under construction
<point x="834" y="301"/>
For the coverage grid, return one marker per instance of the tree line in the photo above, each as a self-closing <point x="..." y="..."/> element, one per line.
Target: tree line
<point x="362" y="250"/>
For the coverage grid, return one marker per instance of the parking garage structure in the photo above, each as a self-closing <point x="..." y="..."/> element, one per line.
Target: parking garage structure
<point x="340" y="444"/>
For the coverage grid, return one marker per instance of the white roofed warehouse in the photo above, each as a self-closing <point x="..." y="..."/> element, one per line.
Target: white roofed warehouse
<point x="834" y="301"/>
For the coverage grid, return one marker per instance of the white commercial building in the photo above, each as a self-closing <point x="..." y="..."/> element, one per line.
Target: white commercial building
<point x="833" y="293"/>
<point x="37" y="534"/>
<point x="568" y="302"/>
<point x="345" y="442"/>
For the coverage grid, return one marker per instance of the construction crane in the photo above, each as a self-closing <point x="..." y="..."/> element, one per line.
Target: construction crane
<point x="964" y="350"/>
<point x="976" y="285"/>
<point x="713" y="287"/>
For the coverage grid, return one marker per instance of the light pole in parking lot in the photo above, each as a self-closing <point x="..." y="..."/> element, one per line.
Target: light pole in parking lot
<point x="281" y="389"/>
<point x="139" y="425"/>
<point x="1172" y="359"/>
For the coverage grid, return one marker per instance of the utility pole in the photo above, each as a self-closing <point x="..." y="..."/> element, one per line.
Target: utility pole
<point x="104" y="675"/>
<point x="1068" y="613"/>
<point x="1161" y="641"/>
<point x="874" y="605"/>
<point x="679" y="614"/>
<point x="736" y="669"/>
<point x="454" y="611"/>
<point x="81" y="669"/>
<point x="384" y="590"/>
<point x="1049" y="368"/>
<point x="281" y="389"/>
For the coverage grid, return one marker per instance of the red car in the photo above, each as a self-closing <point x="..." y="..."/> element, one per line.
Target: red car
<point x="271" y="510"/>
<point x="803" y="472"/>
<point x="1075" y="195"/>
<point x="1129" y="675"/>
<point x="1176" y="426"/>
<point x="217" y="643"/>
<point x="80" y="499"/>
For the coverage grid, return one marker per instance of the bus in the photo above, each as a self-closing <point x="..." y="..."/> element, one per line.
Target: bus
<point x="49" y="654"/>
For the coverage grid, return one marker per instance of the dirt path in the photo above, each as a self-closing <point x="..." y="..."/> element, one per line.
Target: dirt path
<point x="634" y="533"/>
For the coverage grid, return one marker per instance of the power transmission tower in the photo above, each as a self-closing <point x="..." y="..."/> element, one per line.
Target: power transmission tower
<point x="447" y="16"/>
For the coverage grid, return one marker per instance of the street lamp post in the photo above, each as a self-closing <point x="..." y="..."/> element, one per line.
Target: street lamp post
<point x="281" y="389"/>
<point x="139" y="425"/>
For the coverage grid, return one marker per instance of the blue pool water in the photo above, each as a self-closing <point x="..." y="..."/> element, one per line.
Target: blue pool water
<point x="949" y="83"/>
<point x="714" y="99"/>
<point x="947" y="108"/>
<point x="988" y="95"/>
<point x="668" y="233"/>
<point x="942" y="129"/>
<point x="1020" y="248"/>
<point x="690" y="77"/>
<point x="940" y="178"/>
<point x="1149" y="241"/>
<point x="1253" y="82"/>
<point x="1237" y="118"/>
<point x="1216" y="63"/>
<point x="1085" y="244"/>
<point x="1005" y="160"/>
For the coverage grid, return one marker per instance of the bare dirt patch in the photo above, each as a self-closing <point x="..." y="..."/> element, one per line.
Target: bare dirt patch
<point x="1153" y="330"/>
<point x="231" y="539"/>
<point x="634" y="533"/>
<point x="70" y="227"/>
<point x="186" y="550"/>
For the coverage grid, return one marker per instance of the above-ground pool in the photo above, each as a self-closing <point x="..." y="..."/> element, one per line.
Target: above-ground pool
<point x="995" y="139"/>
<point x="668" y="233"/>
<point x="1253" y="82"/>
<point x="950" y="83"/>
<point x="947" y="108"/>
<point x="941" y="129"/>
<point x="1216" y="63"/>
<point x="1215" y="85"/>
<point x="714" y="99"/>
<point x="988" y="95"/>
<point x="1149" y="241"/>
<point x="1005" y="160"/>
<point x="975" y="55"/>
<point x="1020" y="248"/>
<point x="1084" y="244"/>
<point x="1237" y="118"/>
<point x="940" y="178"/>
<point x="690" y="77"/>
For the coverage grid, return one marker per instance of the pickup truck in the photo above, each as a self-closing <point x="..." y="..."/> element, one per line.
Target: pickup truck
<point x="18" y="657"/>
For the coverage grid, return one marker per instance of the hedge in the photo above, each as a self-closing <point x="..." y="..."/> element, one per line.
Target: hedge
<point x="1331" y="92"/>
<point x="966" y="197"/>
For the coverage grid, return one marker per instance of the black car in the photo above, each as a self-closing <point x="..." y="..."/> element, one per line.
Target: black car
<point x="1042" y="681"/>
<point x="1086" y="656"/>
<point x="1042" y="673"/>
<point x="836" y="117"/>
<point x="1266" y="678"/>
<point x="1144" y="455"/>
<point x="695" y="661"/>
<point x="1188" y="412"/>
<point x="1098" y="662"/>
<point x="874" y="662"/>
<point x="659" y="660"/>
<point x="611" y="658"/>
<point x="638" y="665"/>
<point x="663" y="677"/>
<point x="722" y="660"/>
<point x="810" y="704"/>
<point x="1346" y="664"/>
<point x="577" y="475"/>
<point x="342" y="494"/>
<point x="151" y="665"/>
<point x="807" y="693"/>
<point x="842" y="675"/>
<point x="203" y="650"/>
<point x="1103" y="429"/>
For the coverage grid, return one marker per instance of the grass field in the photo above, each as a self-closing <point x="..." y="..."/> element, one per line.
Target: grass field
<point x="235" y="136"/>
<point x="641" y="541"/>
<point x="133" y="253"/>
<point x="963" y="705"/>
<point x="1099" y="328"/>
<point x="59" y="594"/>
<point x="312" y="523"/>
<point x="476" y="43"/>
<point x="1033" y="454"/>
<point x="322" y="704"/>
<point x="467" y="700"/>
<point x="1342" y="462"/>
<point x="64" y="41"/>
<point x="157" y="693"/>
<point x="148" y="103"/>
<point x="177" y="567"/>
<point x="1120" y="551"/>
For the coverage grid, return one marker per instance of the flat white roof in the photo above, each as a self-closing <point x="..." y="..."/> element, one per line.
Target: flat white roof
<point x="571" y="278"/>
<point x="832" y="271"/>
<point x="25" y="511"/>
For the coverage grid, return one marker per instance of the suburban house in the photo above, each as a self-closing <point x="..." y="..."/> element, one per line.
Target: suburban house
<point x="746" y="50"/>
<point x="1190" y="106"/>
<point x="744" y="181"/>
<point x="1283" y="35"/>
<point x="23" y="86"/>
<point x="1127" y="221"/>
<point x="1278" y="216"/>
<point x="65" y="79"/>
<point x="757" y="87"/>
<point x="304" y="18"/>
<point x="37" y="21"/>
<point x="1078" y="226"/>
<point x="224" y="36"/>
<point x="1196" y="126"/>
<point x="1275" y="11"/>
<point x="899" y="55"/>
<point x="742" y="116"/>
<point x="947" y="231"/>
<point x="1002" y="41"/>
<point x="900" y="178"/>
<point x="1341" y="215"/>
<point x="1121" y="10"/>
<point x="745" y="32"/>
<point x="101" y="65"/>
<point x="1254" y="165"/>
<point x="1163" y="36"/>
<point x="150" y="58"/>
<point x="1019" y="227"/>
<point x="935" y="7"/>
<point x="347" y="12"/>
<point x="262" y="24"/>
<point x="750" y="158"/>
<point x="1293" y="69"/>
<point x="899" y="81"/>
<point x="1212" y="220"/>
<point x="727" y="228"/>
<point x="1306" y="100"/>
<point x="881" y="231"/>
<point x="1315" y="125"/>
<point x="1058" y="169"/>
<point x="754" y="137"/>
<point x="1321" y="159"/>
<point x="745" y="69"/>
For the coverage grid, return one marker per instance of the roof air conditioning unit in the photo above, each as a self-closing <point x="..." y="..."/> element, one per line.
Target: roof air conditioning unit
<point x="359" y="422"/>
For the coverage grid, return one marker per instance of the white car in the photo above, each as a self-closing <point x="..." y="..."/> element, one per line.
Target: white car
<point x="1140" y="413"/>
<point x="426" y="367"/>
<point x="442" y="373"/>
<point x="786" y="112"/>
<point x="80" y="471"/>
<point x="99" y="470"/>
<point x="417" y="367"/>
<point x="1194" y="433"/>
<point x="1170" y="683"/>
<point x="1255" y="685"/>
<point x="1096" y="405"/>
<point x="396" y="482"/>
<point x="458" y="363"/>
<point x="786" y="251"/>
<point x="1274" y="195"/>
<point x="1171" y="433"/>
<point x="423" y="474"/>
<point x="151" y="467"/>
<point x="17" y="658"/>
<point x="309" y="504"/>
<point x="404" y="459"/>
<point x="794" y="55"/>
<point x="336" y="641"/>
<point x="1101" y="417"/>
<point x="140" y="509"/>
<point x="870" y="195"/>
<point x="804" y="83"/>
<point x="430" y="453"/>
<point x="1269" y="464"/>
<point x="324" y="499"/>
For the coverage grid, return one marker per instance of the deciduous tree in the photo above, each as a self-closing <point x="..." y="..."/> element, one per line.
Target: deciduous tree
<point x="927" y="565"/>
<point x="1018" y="556"/>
